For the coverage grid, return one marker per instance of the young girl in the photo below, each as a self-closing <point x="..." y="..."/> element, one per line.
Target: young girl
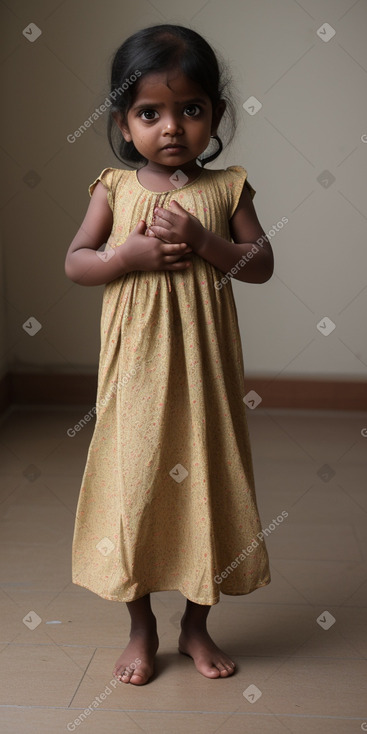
<point x="168" y="499"/>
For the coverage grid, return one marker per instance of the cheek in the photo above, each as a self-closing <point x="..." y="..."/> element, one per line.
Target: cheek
<point x="143" y="136"/>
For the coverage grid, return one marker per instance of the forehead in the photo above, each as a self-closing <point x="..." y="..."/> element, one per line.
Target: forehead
<point x="169" y="84"/>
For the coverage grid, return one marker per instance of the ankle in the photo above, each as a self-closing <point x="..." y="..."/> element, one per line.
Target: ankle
<point x="195" y="617"/>
<point x="144" y="628"/>
<point x="189" y="625"/>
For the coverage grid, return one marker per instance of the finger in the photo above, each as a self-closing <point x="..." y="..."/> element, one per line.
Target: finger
<point x="171" y="258"/>
<point x="185" y="265"/>
<point x="175" y="203"/>
<point x="186" y="248"/>
<point x="162" y="214"/>
<point x="150" y="233"/>
<point x="174" y="258"/>
<point x="160" y="232"/>
<point x="170" y="248"/>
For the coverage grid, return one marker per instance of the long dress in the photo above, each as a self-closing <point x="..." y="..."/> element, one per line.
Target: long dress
<point x="167" y="500"/>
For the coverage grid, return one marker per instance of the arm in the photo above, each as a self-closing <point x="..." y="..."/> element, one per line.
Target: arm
<point x="82" y="264"/>
<point x="178" y="225"/>
<point x="245" y="229"/>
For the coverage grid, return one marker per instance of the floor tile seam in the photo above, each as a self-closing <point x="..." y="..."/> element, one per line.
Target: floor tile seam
<point x="285" y="657"/>
<point x="187" y="711"/>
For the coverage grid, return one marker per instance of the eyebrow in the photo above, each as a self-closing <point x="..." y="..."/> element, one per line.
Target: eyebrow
<point x="143" y="105"/>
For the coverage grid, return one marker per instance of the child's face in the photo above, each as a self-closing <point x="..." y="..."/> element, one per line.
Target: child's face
<point x="161" y="116"/>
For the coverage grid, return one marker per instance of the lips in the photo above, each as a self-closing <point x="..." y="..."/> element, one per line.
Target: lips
<point x="167" y="147"/>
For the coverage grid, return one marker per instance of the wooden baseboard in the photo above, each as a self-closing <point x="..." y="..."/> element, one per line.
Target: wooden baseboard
<point x="47" y="389"/>
<point x="311" y="394"/>
<point x="292" y="393"/>
<point x="5" y="392"/>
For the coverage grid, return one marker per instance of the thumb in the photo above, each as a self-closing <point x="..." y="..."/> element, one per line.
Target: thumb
<point x="140" y="227"/>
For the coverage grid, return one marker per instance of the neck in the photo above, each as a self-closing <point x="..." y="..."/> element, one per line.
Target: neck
<point x="189" y="169"/>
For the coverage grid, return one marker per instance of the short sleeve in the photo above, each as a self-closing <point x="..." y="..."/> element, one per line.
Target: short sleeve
<point x="236" y="177"/>
<point x="107" y="178"/>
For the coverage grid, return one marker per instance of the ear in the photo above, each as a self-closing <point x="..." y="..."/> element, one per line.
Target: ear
<point x="217" y="115"/>
<point x="122" y="126"/>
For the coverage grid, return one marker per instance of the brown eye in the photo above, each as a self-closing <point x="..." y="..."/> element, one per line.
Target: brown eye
<point x="193" y="107"/>
<point x="147" y="112"/>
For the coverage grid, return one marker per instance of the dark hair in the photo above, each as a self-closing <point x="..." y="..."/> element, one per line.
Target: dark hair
<point x="158" y="48"/>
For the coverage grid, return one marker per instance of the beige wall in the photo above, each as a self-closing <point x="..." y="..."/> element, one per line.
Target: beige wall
<point x="313" y="117"/>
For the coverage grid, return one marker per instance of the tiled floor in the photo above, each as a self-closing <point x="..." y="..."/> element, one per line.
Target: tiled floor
<point x="312" y="679"/>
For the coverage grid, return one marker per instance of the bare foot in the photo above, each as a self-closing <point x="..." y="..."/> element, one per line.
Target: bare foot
<point x="136" y="663"/>
<point x="208" y="658"/>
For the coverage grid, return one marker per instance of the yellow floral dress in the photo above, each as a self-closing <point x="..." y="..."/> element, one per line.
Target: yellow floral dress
<point x="167" y="499"/>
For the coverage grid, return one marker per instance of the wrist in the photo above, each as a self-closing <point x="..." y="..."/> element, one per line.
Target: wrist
<point x="202" y="241"/>
<point x="121" y="259"/>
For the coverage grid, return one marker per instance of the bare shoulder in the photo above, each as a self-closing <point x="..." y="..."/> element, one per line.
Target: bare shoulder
<point x="97" y="223"/>
<point x="244" y="224"/>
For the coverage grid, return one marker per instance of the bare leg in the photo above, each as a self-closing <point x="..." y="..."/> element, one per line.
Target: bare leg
<point x="142" y="647"/>
<point x="196" y="642"/>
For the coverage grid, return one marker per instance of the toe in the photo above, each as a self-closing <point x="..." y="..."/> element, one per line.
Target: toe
<point x="140" y="676"/>
<point x="225" y="667"/>
<point x="230" y="669"/>
<point x="118" y="669"/>
<point x="139" y="679"/>
<point x="124" y="676"/>
<point x="223" y="672"/>
<point x="210" y="671"/>
<point x="229" y="666"/>
<point x="214" y="673"/>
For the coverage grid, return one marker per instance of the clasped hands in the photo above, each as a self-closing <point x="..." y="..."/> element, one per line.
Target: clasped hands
<point x="175" y="225"/>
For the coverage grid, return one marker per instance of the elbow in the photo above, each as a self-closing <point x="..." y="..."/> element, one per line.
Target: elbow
<point x="268" y="269"/>
<point x="267" y="275"/>
<point x="69" y="271"/>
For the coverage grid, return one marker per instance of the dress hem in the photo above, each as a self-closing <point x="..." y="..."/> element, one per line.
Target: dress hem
<point x="195" y="601"/>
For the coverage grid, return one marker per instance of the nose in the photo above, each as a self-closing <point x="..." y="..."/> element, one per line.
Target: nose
<point x="172" y="126"/>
